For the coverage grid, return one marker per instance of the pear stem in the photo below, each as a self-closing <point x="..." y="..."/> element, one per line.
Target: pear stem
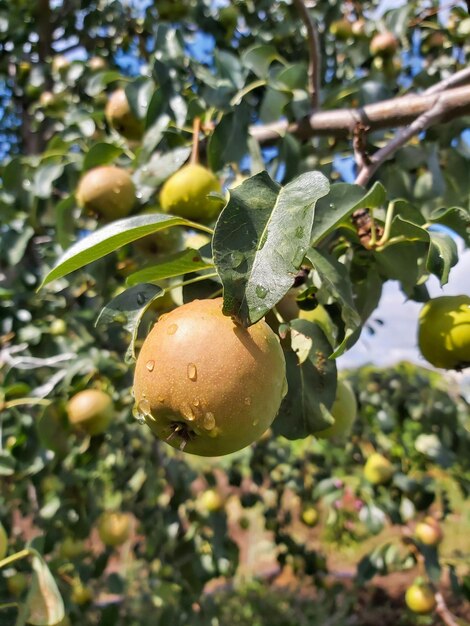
<point x="194" y="160"/>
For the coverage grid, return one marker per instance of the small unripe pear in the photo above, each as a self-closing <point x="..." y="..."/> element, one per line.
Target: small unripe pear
<point x="185" y="194"/>
<point x="420" y="598"/>
<point x="107" y="191"/>
<point x="378" y="470"/>
<point x="91" y="411"/>
<point x="444" y="332"/>
<point x="344" y="411"/>
<point x="120" y="116"/>
<point x="114" y="528"/>
<point x="384" y="44"/>
<point x="429" y="532"/>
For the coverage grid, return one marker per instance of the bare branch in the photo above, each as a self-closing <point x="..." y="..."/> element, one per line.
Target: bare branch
<point x="391" y="113"/>
<point x="425" y="120"/>
<point x="314" y="66"/>
<point x="443" y="612"/>
<point x="459" y="78"/>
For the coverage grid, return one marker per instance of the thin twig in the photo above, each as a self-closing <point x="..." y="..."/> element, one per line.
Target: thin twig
<point x="314" y="65"/>
<point x="459" y="78"/>
<point x="427" y="119"/>
<point x="443" y="612"/>
<point x="195" y="150"/>
<point x="360" y="145"/>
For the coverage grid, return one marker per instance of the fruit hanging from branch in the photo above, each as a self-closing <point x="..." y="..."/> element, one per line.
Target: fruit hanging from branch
<point x="444" y="332"/>
<point x="121" y="117"/>
<point x="90" y="411"/>
<point x="206" y="385"/>
<point x="106" y="191"/>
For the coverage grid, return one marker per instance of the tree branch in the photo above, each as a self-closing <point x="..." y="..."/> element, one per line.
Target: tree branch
<point x="427" y="119"/>
<point x="443" y="612"/>
<point x="314" y="65"/>
<point x="459" y="78"/>
<point x="391" y="113"/>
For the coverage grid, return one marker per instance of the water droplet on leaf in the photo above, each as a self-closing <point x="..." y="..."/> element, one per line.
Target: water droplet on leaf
<point x="299" y="232"/>
<point x="141" y="299"/>
<point x="261" y="291"/>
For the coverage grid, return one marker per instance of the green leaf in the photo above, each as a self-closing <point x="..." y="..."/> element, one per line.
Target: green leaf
<point x="97" y="83"/>
<point x="128" y="309"/>
<point x="175" y="264"/>
<point x="311" y="379"/>
<point x="228" y="142"/>
<point x="343" y="200"/>
<point x="101" y="154"/>
<point x="152" y="173"/>
<point x="260" y="241"/>
<point x="65" y="225"/>
<point x="45" y="176"/>
<point x="456" y="218"/>
<point x="139" y="93"/>
<point x="335" y="281"/>
<point x="258" y="59"/>
<point x="44" y="604"/>
<point x="405" y="259"/>
<point x="443" y="255"/>
<point x="110" y="238"/>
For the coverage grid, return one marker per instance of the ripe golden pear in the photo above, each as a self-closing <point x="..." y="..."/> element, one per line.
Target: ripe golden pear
<point x="120" y="116"/>
<point x="91" y="411"/>
<point x="344" y="410"/>
<point x="185" y="194"/>
<point x="107" y="191"/>
<point x="205" y="384"/>
<point x="114" y="528"/>
<point x="420" y="598"/>
<point x="444" y="332"/>
<point x="378" y="470"/>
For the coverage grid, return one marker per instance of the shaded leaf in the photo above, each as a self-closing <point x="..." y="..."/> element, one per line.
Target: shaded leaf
<point x="443" y="255"/>
<point x="343" y="200"/>
<point x="44" y="604"/>
<point x="335" y="280"/>
<point x="128" y="309"/>
<point x="101" y="154"/>
<point x="311" y="383"/>
<point x="173" y="265"/>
